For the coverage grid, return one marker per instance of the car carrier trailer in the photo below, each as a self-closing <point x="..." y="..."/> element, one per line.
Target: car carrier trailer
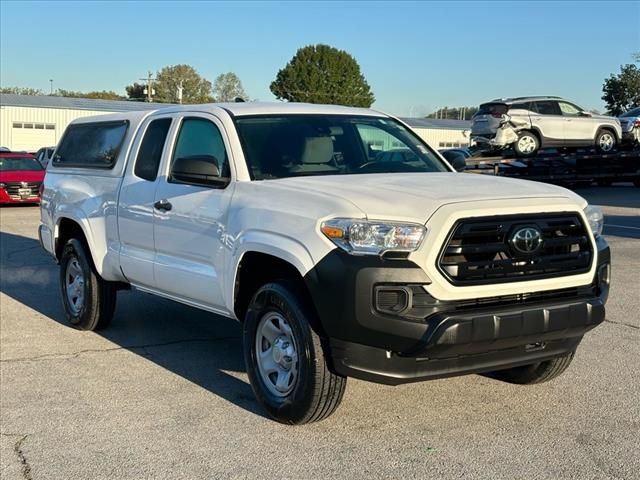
<point x="577" y="168"/>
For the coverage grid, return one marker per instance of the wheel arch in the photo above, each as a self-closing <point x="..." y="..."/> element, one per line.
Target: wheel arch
<point x="260" y="263"/>
<point x="68" y="227"/>
<point x="608" y="128"/>
<point x="536" y="131"/>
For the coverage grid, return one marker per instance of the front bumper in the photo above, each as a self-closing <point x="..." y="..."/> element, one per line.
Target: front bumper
<point x="7" y="199"/>
<point x="435" y="339"/>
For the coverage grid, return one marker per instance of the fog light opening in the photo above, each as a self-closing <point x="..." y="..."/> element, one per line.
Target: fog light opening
<point x="392" y="300"/>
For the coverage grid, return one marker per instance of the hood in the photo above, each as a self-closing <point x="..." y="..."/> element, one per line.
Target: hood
<point x="604" y="117"/>
<point x="22" y="176"/>
<point x="416" y="196"/>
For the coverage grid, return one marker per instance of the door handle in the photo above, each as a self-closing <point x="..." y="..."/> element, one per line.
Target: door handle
<point x="163" y="205"/>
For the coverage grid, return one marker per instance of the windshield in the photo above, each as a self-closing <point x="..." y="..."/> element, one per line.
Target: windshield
<point x="8" y="164"/>
<point x="632" y="113"/>
<point x="303" y="145"/>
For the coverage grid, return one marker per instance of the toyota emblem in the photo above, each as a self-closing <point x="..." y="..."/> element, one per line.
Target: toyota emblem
<point x="526" y="240"/>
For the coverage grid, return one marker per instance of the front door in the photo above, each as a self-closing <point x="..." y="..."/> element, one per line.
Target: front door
<point x="577" y="127"/>
<point x="190" y="216"/>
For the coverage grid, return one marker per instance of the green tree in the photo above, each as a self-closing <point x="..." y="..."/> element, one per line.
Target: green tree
<point x="622" y="90"/>
<point x="195" y="89"/>
<point x="227" y="87"/>
<point x="22" y="90"/>
<point x="101" y="95"/>
<point x="323" y="74"/>
<point x="136" y="92"/>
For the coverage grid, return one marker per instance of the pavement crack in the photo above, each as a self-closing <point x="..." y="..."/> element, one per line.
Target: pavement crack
<point x="143" y="347"/>
<point x="624" y="324"/>
<point x="17" y="448"/>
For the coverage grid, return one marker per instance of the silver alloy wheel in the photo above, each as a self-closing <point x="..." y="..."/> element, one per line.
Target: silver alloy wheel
<point x="74" y="286"/>
<point x="527" y="144"/>
<point x="606" y="142"/>
<point x="276" y="354"/>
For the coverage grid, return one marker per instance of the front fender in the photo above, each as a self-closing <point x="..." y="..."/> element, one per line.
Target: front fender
<point x="283" y="247"/>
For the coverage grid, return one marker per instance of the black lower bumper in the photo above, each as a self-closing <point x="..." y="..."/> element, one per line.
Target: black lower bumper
<point x="461" y="344"/>
<point x="432" y="339"/>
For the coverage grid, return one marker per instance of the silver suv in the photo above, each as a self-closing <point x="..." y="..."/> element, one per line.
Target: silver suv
<point x="530" y="123"/>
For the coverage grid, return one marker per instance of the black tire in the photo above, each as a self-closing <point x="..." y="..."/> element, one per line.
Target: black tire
<point x="536" y="372"/>
<point x="611" y="146"/>
<point x="529" y="140"/>
<point x="317" y="391"/>
<point x="99" y="296"/>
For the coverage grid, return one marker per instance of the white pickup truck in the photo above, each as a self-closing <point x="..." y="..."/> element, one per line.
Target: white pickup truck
<point x="343" y="243"/>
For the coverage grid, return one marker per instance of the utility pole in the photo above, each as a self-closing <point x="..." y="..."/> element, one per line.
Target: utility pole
<point x="149" y="91"/>
<point x="180" y="89"/>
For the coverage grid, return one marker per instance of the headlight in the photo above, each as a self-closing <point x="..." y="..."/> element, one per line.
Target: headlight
<point x="596" y="219"/>
<point x="363" y="237"/>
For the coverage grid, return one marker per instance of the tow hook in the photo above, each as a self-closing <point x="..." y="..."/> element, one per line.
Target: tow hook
<point x="534" y="347"/>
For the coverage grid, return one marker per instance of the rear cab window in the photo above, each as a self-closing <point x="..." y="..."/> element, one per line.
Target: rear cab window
<point x="91" y="145"/>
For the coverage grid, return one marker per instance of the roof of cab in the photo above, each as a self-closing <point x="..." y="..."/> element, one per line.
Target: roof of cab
<point x="239" y="109"/>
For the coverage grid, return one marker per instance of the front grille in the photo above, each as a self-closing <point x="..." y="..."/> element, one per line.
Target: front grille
<point x="13" y="188"/>
<point x="481" y="251"/>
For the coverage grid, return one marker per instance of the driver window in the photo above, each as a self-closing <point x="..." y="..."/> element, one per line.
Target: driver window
<point x="200" y="138"/>
<point x="568" y="109"/>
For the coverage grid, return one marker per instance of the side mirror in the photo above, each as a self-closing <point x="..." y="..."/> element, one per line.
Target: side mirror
<point x="586" y="114"/>
<point x="198" y="170"/>
<point x="456" y="159"/>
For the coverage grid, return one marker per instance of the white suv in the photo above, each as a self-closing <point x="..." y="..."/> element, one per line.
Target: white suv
<point x="530" y="123"/>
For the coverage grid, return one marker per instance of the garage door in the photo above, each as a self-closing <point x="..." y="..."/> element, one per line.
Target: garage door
<point x="32" y="136"/>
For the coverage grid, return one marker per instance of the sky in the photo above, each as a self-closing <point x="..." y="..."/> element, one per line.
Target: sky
<point x="416" y="56"/>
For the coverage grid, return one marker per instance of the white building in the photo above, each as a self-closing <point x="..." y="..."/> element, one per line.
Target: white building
<point x="441" y="133"/>
<point x="29" y="122"/>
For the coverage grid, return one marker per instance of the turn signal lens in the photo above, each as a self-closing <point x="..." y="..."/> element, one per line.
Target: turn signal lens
<point x="332" y="232"/>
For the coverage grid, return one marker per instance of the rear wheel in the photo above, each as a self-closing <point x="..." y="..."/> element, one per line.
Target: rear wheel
<point x="536" y="372"/>
<point x="284" y="357"/>
<point x="88" y="300"/>
<point x="527" y="144"/>
<point x="605" y="141"/>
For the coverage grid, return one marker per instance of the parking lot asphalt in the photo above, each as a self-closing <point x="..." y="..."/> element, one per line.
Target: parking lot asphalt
<point x="162" y="393"/>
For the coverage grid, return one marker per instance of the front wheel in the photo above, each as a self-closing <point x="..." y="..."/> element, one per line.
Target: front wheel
<point x="536" y="372"/>
<point x="605" y="141"/>
<point x="284" y="357"/>
<point x="88" y="300"/>
<point x="527" y="144"/>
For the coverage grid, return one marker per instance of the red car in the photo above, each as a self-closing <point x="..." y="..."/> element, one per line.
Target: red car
<point x="21" y="176"/>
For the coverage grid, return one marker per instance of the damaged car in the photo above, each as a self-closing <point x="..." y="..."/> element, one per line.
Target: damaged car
<point x="527" y="124"/>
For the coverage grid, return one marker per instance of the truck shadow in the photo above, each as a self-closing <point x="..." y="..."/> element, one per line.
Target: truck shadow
<point x="203" y="348"/>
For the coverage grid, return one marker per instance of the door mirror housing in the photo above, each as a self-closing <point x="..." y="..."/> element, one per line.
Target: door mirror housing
<point x="456" y="159"/>
<point x="198" y="170"/>
<point x="586" y="114"/>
